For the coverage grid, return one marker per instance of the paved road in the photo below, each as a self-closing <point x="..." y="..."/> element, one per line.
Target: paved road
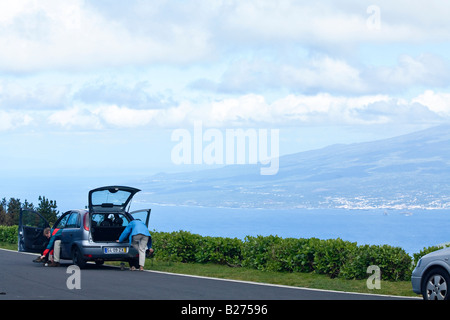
<point x="20" y="278"/>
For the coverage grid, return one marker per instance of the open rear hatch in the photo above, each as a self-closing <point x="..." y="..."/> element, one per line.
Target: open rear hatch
<point x="111" y="198"/>
<point x="107" y="207"/>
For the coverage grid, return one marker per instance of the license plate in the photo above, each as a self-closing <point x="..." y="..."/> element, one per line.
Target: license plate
<point x="115" y="250"/>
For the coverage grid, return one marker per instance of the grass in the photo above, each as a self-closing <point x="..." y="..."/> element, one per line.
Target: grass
<point x="296" y="279"/>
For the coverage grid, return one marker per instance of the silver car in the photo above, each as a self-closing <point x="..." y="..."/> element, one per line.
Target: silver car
<point x="431" y="277"/>
<point x="88" y="235"/>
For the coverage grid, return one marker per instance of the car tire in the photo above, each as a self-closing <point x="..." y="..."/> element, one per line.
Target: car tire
<point x="77" y="258"/>
<point x="435" y="285"/>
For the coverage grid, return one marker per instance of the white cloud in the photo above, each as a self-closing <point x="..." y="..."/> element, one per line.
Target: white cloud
<point x="75" y="117"/>
<point x="326" y="109"/>
<point x="243" y="111"/>
<point x="281" y="62"/>
<point x="12" y="120"/>
<point x="295" y="110"/>
<point x="323" y="73"/>
<point x="50" y="34"/>
<point x="334" y="24"/>
<point x="123" y="117"/>
<point x="318" y="73"/>
<point x="437" y="102"/>
<point x="17" y="94"/>
<point x="424" y="70"/>
<point x="84" y="117"/>
<point x="78" y="34"/>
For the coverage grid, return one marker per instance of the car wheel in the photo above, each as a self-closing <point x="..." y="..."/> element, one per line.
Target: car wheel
<point x="435" y="286"/>
<point x="77" y="258"/>
<point x="99" y="262"/>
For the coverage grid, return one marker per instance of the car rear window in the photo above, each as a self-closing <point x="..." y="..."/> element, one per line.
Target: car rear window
<point x="109" y="220"/>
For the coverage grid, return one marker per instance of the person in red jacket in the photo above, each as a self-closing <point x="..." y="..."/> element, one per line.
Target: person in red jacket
<point x="54" y="244"/>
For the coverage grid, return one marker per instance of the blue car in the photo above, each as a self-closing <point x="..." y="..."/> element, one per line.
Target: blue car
<point x="88" y="235"/>
<point x="431" y="277"/>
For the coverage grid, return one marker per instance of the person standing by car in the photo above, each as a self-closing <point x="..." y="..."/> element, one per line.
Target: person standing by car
<point x="53" y="247"/>
<point x="139" y="237"/>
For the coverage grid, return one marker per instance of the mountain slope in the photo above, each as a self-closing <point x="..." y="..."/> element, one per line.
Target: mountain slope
<point x="409" y="171"/>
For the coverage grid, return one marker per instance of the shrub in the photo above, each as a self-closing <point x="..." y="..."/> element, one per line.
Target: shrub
<point x="257" y="252"/>
<point x="219" y="250"/>
<point x="393" y="262"/>
<point x="334" y="257"/>
<point x="184" y="246"/>
<point x="179" y="246"/>
<point x="8" y="234"/>
<point x="292" y="255"/>
<point x="330" y="255"/>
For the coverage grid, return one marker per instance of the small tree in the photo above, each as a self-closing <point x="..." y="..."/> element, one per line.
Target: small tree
<point x="27" y="205"/>
<point x="13" y="211"/>
<point x="3" y="217"/>
<point x="47" y="209"/>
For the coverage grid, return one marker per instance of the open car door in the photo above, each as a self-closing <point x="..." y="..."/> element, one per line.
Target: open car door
<point x="143" y="215"/>
<point x="31" y="227"/>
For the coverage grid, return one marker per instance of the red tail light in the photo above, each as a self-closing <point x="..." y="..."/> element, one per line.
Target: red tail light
<point x="86" y="221"/>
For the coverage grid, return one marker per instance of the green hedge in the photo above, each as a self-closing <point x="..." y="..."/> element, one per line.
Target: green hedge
<point x="394" y="263"/>
<point x="334" y="257"/>
<point x="184" y="246"/>
<point x="8" y="234"/>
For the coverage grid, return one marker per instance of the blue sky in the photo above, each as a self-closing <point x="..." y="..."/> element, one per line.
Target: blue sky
<point x="95" y="88"/>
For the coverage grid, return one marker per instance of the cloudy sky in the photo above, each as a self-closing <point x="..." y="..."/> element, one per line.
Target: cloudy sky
<point x="97" y="87"/>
